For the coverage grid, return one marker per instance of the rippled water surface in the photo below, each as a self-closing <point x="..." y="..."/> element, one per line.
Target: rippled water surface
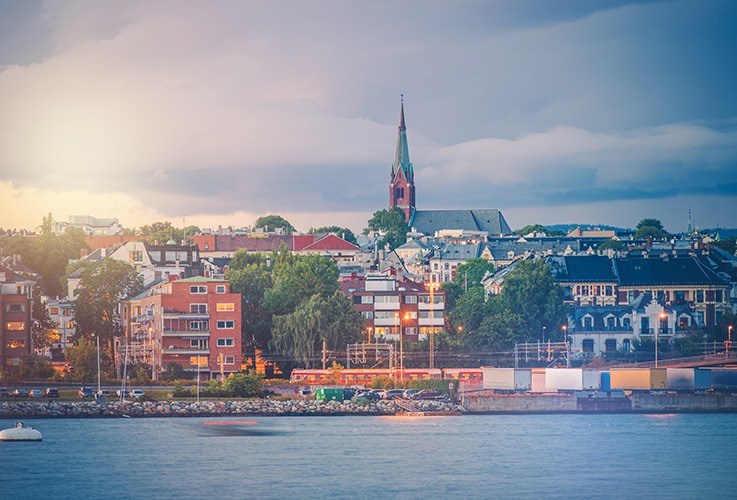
<point x="519" y="456"/>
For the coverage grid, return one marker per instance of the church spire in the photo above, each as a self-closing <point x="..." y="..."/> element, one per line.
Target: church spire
<point x="401" y="156"/>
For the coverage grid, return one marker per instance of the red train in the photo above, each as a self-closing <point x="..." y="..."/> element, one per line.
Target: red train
<point x="362" y="376"/>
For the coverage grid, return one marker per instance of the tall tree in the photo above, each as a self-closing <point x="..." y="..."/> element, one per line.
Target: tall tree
<point x="343" y="232"/>
<point x="252" y="281"/>
<point x="299" y="277"/>
<point x="299" y="335"/>
<point x="390" y="223"/>
<point x="496" y="332"/>
<point x="42" y="328"/>
<point x="530" y="293"/>
<point x="100" y="289"/>
<point x="83" y="358"/>
<point x="538" y="228"/>
<point x="647" y="228"/>
<point x="471" y="272"/>
<point x="273" y="222"/>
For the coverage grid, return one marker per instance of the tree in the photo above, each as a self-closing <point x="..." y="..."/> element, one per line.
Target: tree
<point x="35" y="368"/>
<point x="471" y="272"/>
<point x="297" y="278"/>
<point x="538" y="228"/>
<point x="728" y="245"/>
<point x="161" y="232"/>
<point x="273" y="222"/>
<point x="497" y="332"/>
<point x="530" y="293"/>
<point x="647" y="228"/>
<point x="42" y="328"/>
<point x="101" y="287"/>
<point x="611" y="244"/>
<point x="470" y="309"/>
<point x="83" y="358"/>
<point x="243" y="258"/>
<point x="252" y="281"/>
<point x="391" y="223"/>
<point x="299" y="335"/>
<point x="343" y="232"/>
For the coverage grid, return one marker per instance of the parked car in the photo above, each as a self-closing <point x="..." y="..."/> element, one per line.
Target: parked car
<point x="429" y="394"/>
<point x="51" y="392"/>
<point x="380" y="392"/>
<point x="371" y="396"/>
<point x="20" y="393"/>
<point x="35" y="393"/>
<point x="86" y="392"/>
<point x="4" y="392"/>
<point x="394" y="393"/>
<point x="136" y="393"/>
<point x="409" y="393"/>
<point x="104" y="393"/>
<point x="305" y="393"/>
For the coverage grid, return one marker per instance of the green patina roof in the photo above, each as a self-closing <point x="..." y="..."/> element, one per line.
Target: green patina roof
<point x="401" y="156"/>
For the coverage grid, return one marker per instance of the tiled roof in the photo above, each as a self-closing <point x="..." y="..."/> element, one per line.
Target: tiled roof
<point x="301" y="241"/>
<point x="672" y="271"/>
<point x="582" y="268"/>
<point x="331" y="242"/>
<point x="487" y="220"/>
<point x="266" y="243"/>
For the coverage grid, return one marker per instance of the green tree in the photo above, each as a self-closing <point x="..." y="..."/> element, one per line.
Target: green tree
<point x="390" y="223"/>
<point x="497" y="332"/>
<point x="252" y="281"/>
<point x="471" y="272"/>
<point x="298" y="277"/>
<point x="343" y="232"/>
<point x="611" y="244"/>
<point x="530" y="293"/>
<point x="273" y="222"/>
<point x="35" y="368"/>
<point x="42" y="328"/>
<point x="243" y="258"/>
<point x="83" y="358"/>
<point x="538" y="228"/>
<point x="650" y="228"/>
<point x="161" y="232"/>
<point x="100" y="289"/>
<point x="728" y="245"/>
<point x="470" y="310"/>
<point x="299" y="335"/>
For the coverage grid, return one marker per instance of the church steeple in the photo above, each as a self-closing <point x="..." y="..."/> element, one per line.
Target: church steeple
<point x="402" y="184"/>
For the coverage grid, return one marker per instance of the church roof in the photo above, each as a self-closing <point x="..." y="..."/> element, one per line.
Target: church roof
<point x="488" y="220"/>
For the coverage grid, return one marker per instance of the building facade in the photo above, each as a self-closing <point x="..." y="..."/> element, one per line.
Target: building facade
<point x="16" y="296"/>
<point x="188" y="322"/>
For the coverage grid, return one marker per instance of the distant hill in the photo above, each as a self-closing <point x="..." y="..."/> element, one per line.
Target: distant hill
<point x="723" y="233"/>
<point x="566" y="228"/>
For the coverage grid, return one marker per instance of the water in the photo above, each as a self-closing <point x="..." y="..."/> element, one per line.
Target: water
<point x="515" y="456"/>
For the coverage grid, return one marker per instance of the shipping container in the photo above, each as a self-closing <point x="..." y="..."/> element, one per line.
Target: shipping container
<point x="638" y="379"/>
<point x="564" y="379"/>
<point x="605" y="381"/>
<point x="522" y="379"/>
<point x="680" y="379"/>
<point x="702" y="379"/>
<point x="500" y="379"/>
<point x="538" y="380"/>
<point x="590" y="380"/>
<point x="724" y="379"/>
<point x="329" y="394"/>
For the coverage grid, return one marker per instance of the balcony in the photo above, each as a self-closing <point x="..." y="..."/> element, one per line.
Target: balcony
<point x="191" y="351"/>
<point x="186" y="333"/>
<point x="426" y="306"/>
<point x="171" y="314"/>
<point x="431" y="321"/>
<point x="386" y="306"/>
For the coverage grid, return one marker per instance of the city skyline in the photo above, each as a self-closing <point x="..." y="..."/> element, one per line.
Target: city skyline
<point x="214" y="115"/>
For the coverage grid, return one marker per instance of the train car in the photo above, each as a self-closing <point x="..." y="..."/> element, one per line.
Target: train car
<point x="638" y="379"/>
<point x="680" y="379"/>
<point x="702" y="379"/>
<point x="724" y="379"/>
<point x="362" y="376"/>
<point x="466" y="375"/>
<point x="309" y="377"/>
<point x="422" y="374"/>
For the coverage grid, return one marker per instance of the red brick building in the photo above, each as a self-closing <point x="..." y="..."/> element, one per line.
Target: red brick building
<point x="188" y="321"/>
<point x="389" y="304"/>
<point x="16" y="295"/>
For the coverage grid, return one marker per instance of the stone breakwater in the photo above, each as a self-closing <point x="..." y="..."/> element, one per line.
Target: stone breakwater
<point x="263" y="407"/>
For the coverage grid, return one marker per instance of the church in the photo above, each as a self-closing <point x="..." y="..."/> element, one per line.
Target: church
<point x="429" y="222"/>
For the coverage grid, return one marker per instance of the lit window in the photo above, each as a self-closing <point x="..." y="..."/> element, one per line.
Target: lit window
<point x="15" y="344"/>
<point x="226" y="360"/>
<point x="52" y="311"/>
<point x="202" y="359"/>
<point x="15" y="326"/>
<point x="225" y="306"/>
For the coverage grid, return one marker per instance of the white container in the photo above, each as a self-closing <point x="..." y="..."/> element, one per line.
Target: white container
<point x="564" y="379"/>
<point x="680" y="379"/>
<point x="522" y="379"/>
<point x="538" y="380"/>
<point x="501" y="379"/>
<point x="591" y="380"/>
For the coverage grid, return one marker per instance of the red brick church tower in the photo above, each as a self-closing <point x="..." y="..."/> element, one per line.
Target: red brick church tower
<point x="402" y="183"/>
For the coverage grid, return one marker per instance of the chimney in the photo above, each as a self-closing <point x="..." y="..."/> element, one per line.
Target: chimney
<point x="649" y="242"/>
<point x="15" y="260"/>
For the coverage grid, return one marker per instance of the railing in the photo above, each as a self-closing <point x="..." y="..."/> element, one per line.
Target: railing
<point x="185" y="350"/>
<point x="189" y="333"/>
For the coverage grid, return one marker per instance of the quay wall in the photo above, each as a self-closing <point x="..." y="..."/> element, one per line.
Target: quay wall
<point x="262" y="407"/>
<point x="520" y="403"/>
<point x="684" y="402"/>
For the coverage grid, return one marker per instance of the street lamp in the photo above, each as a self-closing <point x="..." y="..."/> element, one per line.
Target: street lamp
<point x="728" y="343"/>
<point x="564" y="328"/>
<point x="663" y="317"/>
<point x="544" y="327"/>
<point x="97" y="338"/>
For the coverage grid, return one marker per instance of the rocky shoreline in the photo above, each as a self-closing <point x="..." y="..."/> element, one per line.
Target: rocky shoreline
<point x="261" y="407"/>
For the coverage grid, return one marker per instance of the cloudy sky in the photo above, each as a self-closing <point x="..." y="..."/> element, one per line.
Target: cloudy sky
<point x="217" y="112"/>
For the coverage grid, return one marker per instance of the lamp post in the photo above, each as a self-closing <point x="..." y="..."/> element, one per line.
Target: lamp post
<point x="97" y="338"/>
<point x="432" y="325"/>
<point x="564" y="328"/>
<point x="198" y="378"/>
<point x="663" y="317"/>
<point x="728" y="343"/>
<point x="544" y="327"/>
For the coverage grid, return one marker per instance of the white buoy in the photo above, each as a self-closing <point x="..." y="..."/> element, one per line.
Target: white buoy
<point x="20" y="433"/>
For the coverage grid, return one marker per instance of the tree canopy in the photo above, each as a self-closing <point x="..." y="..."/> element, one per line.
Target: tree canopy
<point x="163" y="232"/>
<point x="538" y="228"/>
<point x="390" y="223"/>
<point x="343" y="232"/>
<point x="471" y="272"/>
<point x="650" y="228"/>
<point x="273" y="222"/>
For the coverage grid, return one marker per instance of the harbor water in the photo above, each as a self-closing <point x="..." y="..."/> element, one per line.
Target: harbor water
<point x="500" y="456"/>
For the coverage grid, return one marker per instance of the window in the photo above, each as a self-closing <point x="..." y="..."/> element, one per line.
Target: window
<point x="611" y="322"/>
<point x="626" y="323"/>
<point x="198" y="289"/>
<point x="609" y="290"/>
<point x="610" y="345"/>
<point x="410" y="330"/>
<point x="52" y="311"/>
<point x="15" y="344"/>
<point x="410" y="299"/>
<point x="220" y="289"/>
<point x="367" y="299"/>
<point x="699" y="295"/>
<point x="198" y="308"/>
<point x="679" y="296"/>
<point x="367" y="314"/>
<point x="627" y="345"/>
<point x="587" y="322"/>
<point x="587" y="345"/>
<point x="387" y="299"/>
<point x="385" y="315"/>
<point x="225" y="306"/>
<point x="226" y="360"/>
<point x="202" y="359"/>
<point x="15" y="326"/>
<point x="719" y="295"/>
<point x="136" y="256"/>
<point x="226" y="342"/>
<point x="15" y="307"/>
<point x="198" y="343"/>
<point x="197" y="326"/>
<point x="435" y="314"/>
<point x="226" y="324"/>
<point x="70" y="324"/>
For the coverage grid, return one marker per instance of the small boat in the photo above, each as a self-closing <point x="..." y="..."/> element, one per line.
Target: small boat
<point x="20" y="432"/>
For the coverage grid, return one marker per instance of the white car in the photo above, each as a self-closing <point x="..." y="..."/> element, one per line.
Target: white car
<point x="136" y="393"/>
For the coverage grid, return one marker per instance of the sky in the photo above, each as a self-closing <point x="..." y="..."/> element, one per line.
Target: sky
<point x="213" y="113"/>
